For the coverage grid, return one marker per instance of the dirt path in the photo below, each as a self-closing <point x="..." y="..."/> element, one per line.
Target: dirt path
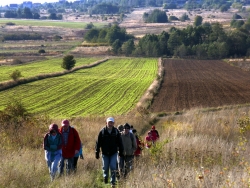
<point x="195" y="83"/>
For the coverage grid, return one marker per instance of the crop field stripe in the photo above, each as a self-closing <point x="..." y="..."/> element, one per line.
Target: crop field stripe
<point x="113" y="87"/>
<point x="40" y="67"/>
<point x="51" y="23"/>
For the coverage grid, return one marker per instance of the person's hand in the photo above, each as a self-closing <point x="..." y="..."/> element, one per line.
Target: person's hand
<point x="97" y="155"/>
<point x="76" y="151"/>
<point x="81" y="156"/>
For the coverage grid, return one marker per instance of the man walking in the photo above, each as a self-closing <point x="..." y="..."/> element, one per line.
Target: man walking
<point x="129" y="144"/>
<point x="109" y="141"/>
<point x="71" y="146"/>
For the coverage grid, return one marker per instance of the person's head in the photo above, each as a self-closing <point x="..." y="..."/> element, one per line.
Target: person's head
<point x="126" y="128"/>
<point x="53" y="129"/>
<point x="110" y="122"/>
<point x="149" y="133"/>
<point x="153" y="127"/>
<point x="65" y="124"/>
<point x="120" y="128"/>
<point x="131" y="127"/>
<point x="134" y="131"/>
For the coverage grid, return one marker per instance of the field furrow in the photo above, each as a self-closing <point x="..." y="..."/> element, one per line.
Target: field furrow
<point x="201" y="83"/>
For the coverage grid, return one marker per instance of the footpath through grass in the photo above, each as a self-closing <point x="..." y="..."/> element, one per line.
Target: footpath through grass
<point x="40" y="67"/>
<point x="111" y="88"/>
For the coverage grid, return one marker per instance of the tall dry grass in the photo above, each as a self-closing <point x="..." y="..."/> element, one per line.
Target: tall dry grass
<point x="196" y="149"/>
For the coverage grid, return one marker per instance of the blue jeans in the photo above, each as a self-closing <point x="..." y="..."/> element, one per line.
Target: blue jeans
<point x="109" y="162"/>
<point x="69" y="165"/>
<point x="53" y="162"/>
<point x="126" y="164"/>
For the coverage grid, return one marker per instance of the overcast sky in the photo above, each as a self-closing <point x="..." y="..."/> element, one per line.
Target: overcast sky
<point x="3" y="3"/>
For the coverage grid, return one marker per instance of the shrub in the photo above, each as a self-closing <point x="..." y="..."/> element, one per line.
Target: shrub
<point x="41" y="51"/>
<point x="17" y="61"/>
<point x="57" y="38"/>
<point x="10" y="23"/>
<point x="68" y="62"/>
<point x="89" y="26"/>
<point x="15" y="75"/>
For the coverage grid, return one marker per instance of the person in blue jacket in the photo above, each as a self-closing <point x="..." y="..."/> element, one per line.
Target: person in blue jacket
<point x="52" y="144"/>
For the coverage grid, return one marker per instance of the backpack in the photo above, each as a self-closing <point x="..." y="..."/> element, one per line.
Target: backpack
<point x="116" y="131"/>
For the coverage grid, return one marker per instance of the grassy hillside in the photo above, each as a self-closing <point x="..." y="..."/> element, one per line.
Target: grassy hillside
<point x="112" y="88"/>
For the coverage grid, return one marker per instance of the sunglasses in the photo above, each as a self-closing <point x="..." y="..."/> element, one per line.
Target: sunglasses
<point x="126" y="128"/>
<point x="52" y="132"/>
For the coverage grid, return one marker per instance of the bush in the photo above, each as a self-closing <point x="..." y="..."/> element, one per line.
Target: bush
<point x="57" y="38"/>
<point x="68" y="62"/>
<point x="10" y="23"/>
<point x="17" y="61"/>
<point x="41" y="51"/>
<point x="89" y="26"/>
<point x="15" y="75"/>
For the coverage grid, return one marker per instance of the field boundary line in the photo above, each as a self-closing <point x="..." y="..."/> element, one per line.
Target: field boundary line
<point x="147" y="98"/>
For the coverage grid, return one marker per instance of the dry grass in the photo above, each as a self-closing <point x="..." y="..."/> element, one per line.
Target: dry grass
<point x="196" y="149"/>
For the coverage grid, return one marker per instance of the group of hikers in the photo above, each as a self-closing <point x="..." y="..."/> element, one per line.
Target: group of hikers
<point x="118" y="146"/>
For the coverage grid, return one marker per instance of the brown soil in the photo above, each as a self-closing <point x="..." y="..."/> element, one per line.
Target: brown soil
<point x="201" y="83"/>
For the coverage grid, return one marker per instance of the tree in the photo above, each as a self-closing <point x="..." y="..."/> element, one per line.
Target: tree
<point x="128" y="47"/>
<point x="116" y="46"/>
<point x="27" y="13"/>
<point x="68" y="62"/>
<point x="198" y="21"/>
<point x="15" y="75"/>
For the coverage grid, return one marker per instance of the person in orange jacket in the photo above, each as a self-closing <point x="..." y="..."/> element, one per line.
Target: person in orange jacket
<point x="71" y="146"/>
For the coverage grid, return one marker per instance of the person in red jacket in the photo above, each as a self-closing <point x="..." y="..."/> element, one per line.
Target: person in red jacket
<point x="154" y="133"/>
<point x="71" y="146"/>
<point x="149" y="140"/>
<point x="139" y="144"/>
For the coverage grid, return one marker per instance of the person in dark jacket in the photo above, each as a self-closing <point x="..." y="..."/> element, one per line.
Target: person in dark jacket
<point x="52" y="144"/>
<point x="109" y="141"/>
<point x="71" y="146"/>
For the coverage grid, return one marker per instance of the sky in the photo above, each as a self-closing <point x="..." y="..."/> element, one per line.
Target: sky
<point x="3" y="3"/>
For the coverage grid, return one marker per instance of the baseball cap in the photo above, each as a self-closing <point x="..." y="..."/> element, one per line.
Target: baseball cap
<point x="110" y="119"/>
<point x="65" y="122"/>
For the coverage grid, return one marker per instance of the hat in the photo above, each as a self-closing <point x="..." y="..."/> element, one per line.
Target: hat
<point x="120" y="128"/>
<point x="126" y="125"/>
<point x="65" y="122"/>
<point x="53" y="127"/>
<point x="153" y="127"/>
<point x="110" y="119"/>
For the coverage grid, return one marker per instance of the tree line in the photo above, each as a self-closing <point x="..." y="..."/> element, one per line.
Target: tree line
<point x="206" y="41"/>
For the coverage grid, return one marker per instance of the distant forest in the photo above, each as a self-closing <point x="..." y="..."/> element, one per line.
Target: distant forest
<point x="206" y="41"/>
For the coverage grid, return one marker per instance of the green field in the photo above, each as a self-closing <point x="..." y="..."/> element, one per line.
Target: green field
<point x="113" y="87"/>
<point x="40" y="67"/>
<point x="51" y="23"/>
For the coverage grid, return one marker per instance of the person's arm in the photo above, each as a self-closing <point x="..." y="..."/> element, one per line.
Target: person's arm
<point x="98" y="146"/>
<point x="77" y="144"/>
<point x="134" y="144"/>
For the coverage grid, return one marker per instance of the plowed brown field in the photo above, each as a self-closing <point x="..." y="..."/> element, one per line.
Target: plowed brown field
<point x="201" y="83"/>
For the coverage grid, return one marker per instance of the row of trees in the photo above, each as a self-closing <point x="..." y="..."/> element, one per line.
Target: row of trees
<point x="107" y="35"/>
<point x="27" y="14"/>
<point x="207" y="41"/>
